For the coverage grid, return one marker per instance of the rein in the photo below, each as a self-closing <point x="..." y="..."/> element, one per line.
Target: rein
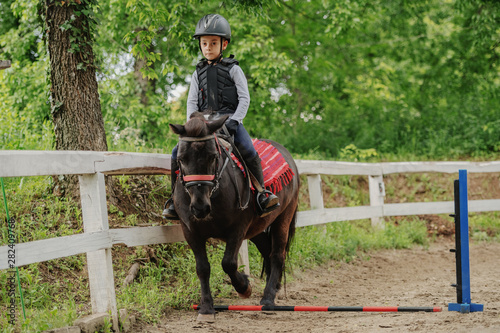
<point x="195" y="139"/>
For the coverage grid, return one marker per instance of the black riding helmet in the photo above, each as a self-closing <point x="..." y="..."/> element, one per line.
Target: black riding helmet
<point x="213" y="25"/>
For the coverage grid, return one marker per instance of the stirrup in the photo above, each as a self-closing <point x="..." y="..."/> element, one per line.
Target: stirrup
<point x="270" y="204"/>
<point x="169" y="212"/>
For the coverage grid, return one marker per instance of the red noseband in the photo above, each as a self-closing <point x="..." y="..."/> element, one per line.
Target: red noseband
<point x="195" y="178"/>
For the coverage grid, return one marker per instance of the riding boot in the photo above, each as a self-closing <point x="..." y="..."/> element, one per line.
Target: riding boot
<point x="169" y="212"/>
<point x="266" y="200"/>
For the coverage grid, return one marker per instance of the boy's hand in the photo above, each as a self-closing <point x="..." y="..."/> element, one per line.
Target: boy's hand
<point x="232" y="126"/>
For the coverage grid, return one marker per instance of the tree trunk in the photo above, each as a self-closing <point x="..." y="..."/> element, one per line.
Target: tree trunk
<point x="141" y="81"/>
<point x="145" y="84"/>
<point x="76" y="109"/>
<point x="4" y="64"/>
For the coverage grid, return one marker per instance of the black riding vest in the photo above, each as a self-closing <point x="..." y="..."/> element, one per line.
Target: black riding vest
<point x="217" y="91"/>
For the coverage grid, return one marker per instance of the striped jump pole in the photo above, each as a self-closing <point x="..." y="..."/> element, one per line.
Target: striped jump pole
<point x="323" y="308"/>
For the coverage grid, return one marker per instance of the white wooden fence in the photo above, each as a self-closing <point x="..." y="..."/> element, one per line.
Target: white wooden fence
<point x="97" y="239"/>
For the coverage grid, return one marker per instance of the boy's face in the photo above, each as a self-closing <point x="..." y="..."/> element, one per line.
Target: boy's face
<point x="211" y="46"/>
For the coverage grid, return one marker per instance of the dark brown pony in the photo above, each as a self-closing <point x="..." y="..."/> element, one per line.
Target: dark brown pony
<point x="208" y="198"/>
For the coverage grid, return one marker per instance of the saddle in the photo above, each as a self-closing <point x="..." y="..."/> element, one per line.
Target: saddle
<point x="277" y="173"/>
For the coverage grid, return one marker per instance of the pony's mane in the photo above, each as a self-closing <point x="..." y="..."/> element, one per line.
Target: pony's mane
<point x="196" y="127"/>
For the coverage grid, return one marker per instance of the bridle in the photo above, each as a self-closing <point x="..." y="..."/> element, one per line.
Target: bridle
<point x="204" y="180"/>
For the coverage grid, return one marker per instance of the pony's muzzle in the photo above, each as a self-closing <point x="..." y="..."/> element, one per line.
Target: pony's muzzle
<point x="200" y="211"/>
<point x="200" y="205"/>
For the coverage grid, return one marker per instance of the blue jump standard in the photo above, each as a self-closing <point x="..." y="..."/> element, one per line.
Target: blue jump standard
<point x="463" y="304"/>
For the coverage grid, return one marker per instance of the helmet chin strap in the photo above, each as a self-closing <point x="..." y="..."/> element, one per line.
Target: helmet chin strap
<point x="219" y="58"/>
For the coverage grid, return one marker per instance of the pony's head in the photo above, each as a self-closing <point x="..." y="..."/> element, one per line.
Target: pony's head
<point x="198" y="156"/>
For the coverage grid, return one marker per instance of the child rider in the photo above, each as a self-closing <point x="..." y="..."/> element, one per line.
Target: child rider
<point x="219" y="84"/>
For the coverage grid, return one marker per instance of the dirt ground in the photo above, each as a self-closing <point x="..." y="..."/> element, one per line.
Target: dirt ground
<point x="415" y="277"/>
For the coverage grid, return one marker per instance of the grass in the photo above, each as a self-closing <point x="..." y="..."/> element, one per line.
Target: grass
<point x="56" y="292"/>
<point x="485" y="227"/>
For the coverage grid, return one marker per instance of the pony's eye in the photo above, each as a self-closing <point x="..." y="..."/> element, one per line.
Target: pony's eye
<point x="180" y="163"/>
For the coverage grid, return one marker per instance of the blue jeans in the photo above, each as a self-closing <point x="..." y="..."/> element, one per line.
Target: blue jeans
<point x="244" y="143"/>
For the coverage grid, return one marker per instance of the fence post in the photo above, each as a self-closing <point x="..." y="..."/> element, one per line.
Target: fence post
<point x="315" y="193"/>
<point x="244" y="260"/>
<point x="99" y="263"/>
<point x="377" y="194"/>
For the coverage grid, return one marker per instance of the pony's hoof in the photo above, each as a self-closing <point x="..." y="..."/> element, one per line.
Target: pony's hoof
<point x="247" y="293"/>
<point x="206" y="318"/>
<point x="266" y="302"/>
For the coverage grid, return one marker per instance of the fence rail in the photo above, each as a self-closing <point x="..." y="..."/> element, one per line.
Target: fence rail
<point x="97" y="239"/>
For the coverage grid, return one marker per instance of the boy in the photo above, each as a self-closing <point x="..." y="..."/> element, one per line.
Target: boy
<point x="219" y="84"/>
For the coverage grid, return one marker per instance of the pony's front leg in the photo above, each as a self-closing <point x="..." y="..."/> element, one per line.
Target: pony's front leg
<point x="230" y="266"/>
<point x="206" y="311"/>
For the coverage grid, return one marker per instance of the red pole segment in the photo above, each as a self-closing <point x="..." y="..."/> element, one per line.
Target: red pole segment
<point x="324" y="308"/>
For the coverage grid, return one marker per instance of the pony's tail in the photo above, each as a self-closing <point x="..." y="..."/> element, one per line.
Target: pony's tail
<point x="291" y="232"/>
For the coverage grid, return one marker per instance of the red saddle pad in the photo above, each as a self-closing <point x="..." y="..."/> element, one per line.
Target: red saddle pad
<point x="277" y="172"/>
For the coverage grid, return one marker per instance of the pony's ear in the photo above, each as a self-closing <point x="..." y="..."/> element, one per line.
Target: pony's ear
<point x="196" y="114"/>
<point x="177" y="129"/>
<point x="216" y="124"/>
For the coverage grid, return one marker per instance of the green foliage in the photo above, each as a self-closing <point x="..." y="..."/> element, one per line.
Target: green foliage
<point x="50" y="302"/>
<point x="24" y="109"/>
<point x="405" y="78"/>
<point x="353" y="153"/>
<point x="38" y="320"/>
<point x="390" y="77"/>
<point x="38" y="213"/>
<point x="82" y="27"/>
